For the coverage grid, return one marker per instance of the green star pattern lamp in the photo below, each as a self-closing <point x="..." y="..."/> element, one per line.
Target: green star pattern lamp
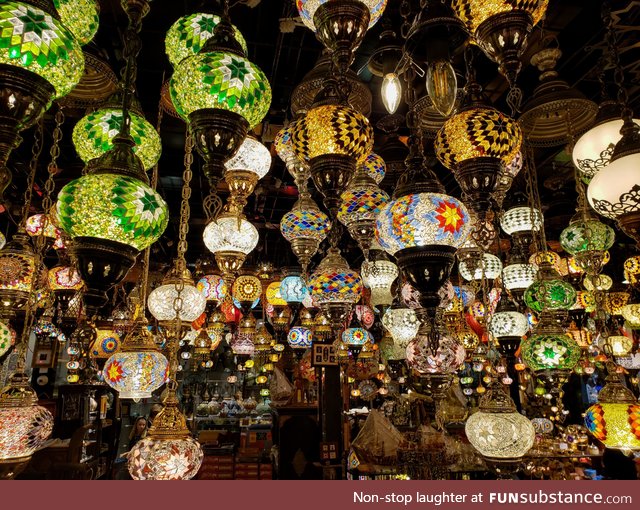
<point x="93" y="136"/>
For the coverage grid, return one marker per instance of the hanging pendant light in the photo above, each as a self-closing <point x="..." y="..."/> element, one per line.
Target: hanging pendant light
<point x="243" y="171"/>
<point x="17" y="274"/>
<point x="378" y="275"/>
<point x="587" y="239"/>
<point x="161" y="299"/>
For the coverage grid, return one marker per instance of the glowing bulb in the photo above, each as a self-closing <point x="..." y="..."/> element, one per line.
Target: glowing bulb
<point x="442" y="86"/>
<point x="391" y="92"/>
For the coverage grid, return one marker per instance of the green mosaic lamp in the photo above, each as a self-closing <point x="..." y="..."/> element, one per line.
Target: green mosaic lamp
<point x="549" y="291"/>
<point x="93" y="135"/>
<point x="587" y="239"/>
<point x="222" y="95"/>
<point x="40" y="60"/>
<point x="549" y="348"/>
<point x="80" y="17"/>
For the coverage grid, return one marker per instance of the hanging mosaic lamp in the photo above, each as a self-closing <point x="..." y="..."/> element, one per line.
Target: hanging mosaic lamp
<point x="24" y="426"/>
<point x="168" y="452"/>
<point x="402" y="324"/>
<point x="283" y="144"/>
<point x="587" y="239"/>
<point x="139" y="368"/>
<point x="490" y="268"/>
<point x="40" y="60"/>
<point x="374" y="166"/>
<point x="107" y="343"/>
<point x="299" y="338"/>
<point x="293" y="289"/>
<point x="93" y="135"/>
<point x="549" y="348"/>
<point x="163" y="298"/>
<point x="549" y="291"/>
<point x="378" y="275"/>
<point x="335" y="287"/>
<point x="80" y="17"/>
<point x="17" y="274"/>
<point x="213" y="288"/>
<point x="615" y="419"/>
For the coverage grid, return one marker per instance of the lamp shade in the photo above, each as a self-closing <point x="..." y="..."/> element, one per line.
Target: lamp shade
<point x="361" y="203"/>
<point x="553" y="294"/>
<point x="615" y="425"/>
<point x="162" y="299"/>
<point x="613" y="191"/>
<point x="107" y="343"/>
<point x="7" y="337"/>
<point x="355" y="337"/>
<point x="187" y="36"/>
<point x="64" y="278"/>
<point x="334" y="282"/>
<point x="247" y="289"/>
<point x="222" y="81"/>
<point x="519" y="276"/>
<point x="93" y="135"/>
<point x="508" y="324"/>
<point x="299" y="337"/>
<point x="402" y="324"/>
<point x="521" y="219"/>
<point x="136" y="375"/>
<point x="422" y="219"/>
<point x="550" y="351"/>
<point x="308" y="8"/>
<point x="305" y="224"/>
<point x="475" y="12"/>
<point x="230" y="233"/>
<point x="274" y="294"/>
<point x="212" y="287"/>
<point x="252" y="156"/>
<point x="293" y="289"/>
<point x="335" y="130"/>
<point x="378" y="276"/>
<point x="33" y="40"/>
<point x="375" y="167"/>
<point x="447" y="359"/>
<point x="490" y="267"/>
<point x="584" y="236"/>
<point x="112" y="207"/>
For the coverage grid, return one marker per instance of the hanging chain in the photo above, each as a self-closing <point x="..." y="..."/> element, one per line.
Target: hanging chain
<point x="52" y="168"/>
<point x="614" y="56"/>
<point x="36" y="151"/>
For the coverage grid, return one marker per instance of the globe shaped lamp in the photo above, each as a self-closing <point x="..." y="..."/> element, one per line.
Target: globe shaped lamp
<point x="168" y="452"/>
<point x="361" y="203"/>
<point x="243" y="171"/>
<point x="333" y="140"/>
<point x="521" y="220"/>
<point x="378" y="276"/>
<point x="448" y="358"/>
<point x="402" y="324"/>
<point x="617" y="345"/>
<point x="299" y="338"/>
<point x="24" y="426"/>
<point x="374" y="166"/>
<point x="476" y="144"/>
<point x="283" y="144"/>
<point x="293" y="289"/>
<point x="17" y="274"/>
<point x="173" y="286"/>
<point x="107" y="343"/>
<point x="632" y="271"/>
<point x="549" y="292"/>
<point x="274" y="294"/>
<point x="587" y="240"/>
<point x="307" y="10"/>
<point x="40" y="60"/>
<point x="80" y="17"/>
<point x="213" y="288"/>
<point x="305" y="227"/>
<point x="138" y="368"/>
<point x="519" y="277"/>
<point x="246" y="289"/>
<point x="335" y="287"/>
<point x="614" y="419"/>
<point x="497" y="431"/>
<point x="501" y="28"/>
<point x="549" y="348"/>
<point x="631" y="313"/>
<point x="489" y="268"/>
<point x="230" y="238"/>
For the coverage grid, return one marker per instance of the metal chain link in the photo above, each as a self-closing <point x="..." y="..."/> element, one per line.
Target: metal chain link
<point x="36" y="151"/>
<point x="614" y="56"/>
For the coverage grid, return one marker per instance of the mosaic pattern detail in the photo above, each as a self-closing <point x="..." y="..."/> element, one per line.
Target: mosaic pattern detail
<point x="187" y="36"/>
<point x="616" y="425"/>
<point x="6" y="338"/>
<point x="553" y="294"/>
<point x="274" y="295"/>
<point x="375" y="167"/>
<point x="162" y="299"/>
<point x="333" y="129"/>
<point x="505" y="324"/>
<point x="36" y="225"/>
<point x="301" y="223"/>
<point x="365" y="315"/>
<point x="590" y="235"/>
<point x="252" y="156"/>
<point x="402" y="324"/>
<point x="335" y="286"/>
<point x="473" y="12"/>
<point x="94" y="133"/>
<point x="165" y="459"/>
<point x="361" y="204"/>
<point x="595" y="422"/>
<point x="136" y="374"/>
<point x="16" y="272"/>
<point x="478" y="133"/>
<point x="81" y="17"/>
<point x="300" y="338"/>
<point x="500" y="435"/>
<point x="356" y="336"/>
<point x="448" y="358"/>
<point x="308" y="8"/>
<point x="519" y="276"/>
<point x="30" y="38"/>
<point x="112" y="207"/>
<point x="212" y="287"/>
<point x="293" y="289"/>
<point x="247" y="288"/>
<point x="107" y="342"/>
<point x="549" y="352"/>
<point x="521" y="219"/>
<point x="420" y="220"/>
<point x="230" y="234"/>
<point x="224" y="81"/>
<point x="23" y="430"/>
<point x="64" y="278"/>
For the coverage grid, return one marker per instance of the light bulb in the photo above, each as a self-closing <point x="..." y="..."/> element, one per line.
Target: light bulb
<point x="391" y="92"/>
<point x="442" y="86"/>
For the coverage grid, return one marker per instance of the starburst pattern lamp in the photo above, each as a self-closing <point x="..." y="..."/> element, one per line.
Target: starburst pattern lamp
<point x="549" y="348"/>
<point x="93" y="136"/>
<point x="490" y="268"/>
<point x="587" y="240"/>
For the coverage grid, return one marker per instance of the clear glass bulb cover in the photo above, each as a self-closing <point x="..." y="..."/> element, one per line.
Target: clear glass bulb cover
<point x="221" y="80"/>
<point x="391" y="92"/>
<point x="33" y="40"/>
<point x="591" y="235"/>
<point x="613" y="190"/>
<point x="448" y="359"/>
<point x="212" y="287"/>
<point x="136" y="374"/>
<point x="442" y="86"/>
<point x="165" y="459"/>
<point x="375" y="167"/>
<point x="293" y="289"/>
<point x="307" y="9"/>
<point x="333" y="129"/>
<point x="508" y="324"/>
<point x="252" y="156"/>
<point x="550" y="352"/>
<point x="615" y="425"/>
<point x="187" y="36"/>
<point x="402" y="324"/>
<point x="482" y="132"/>
<point x="299" y="338"/>
<point x="521" y="219"/>
<point x="420" y="220"/>
<point x="519" y="276"/>
<point x="490" y="268"/>
<point x="23" y="430"/>
<point x="112" y="207"/>
<point x="500" y="435"/>
<point x="594" y="149"/>
<point x="93" y="135"/>
<point x="161" y="302"/>
<point x="228" y="234"/>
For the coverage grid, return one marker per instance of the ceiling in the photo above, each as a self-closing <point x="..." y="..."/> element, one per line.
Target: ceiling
<point x="286" y="57"/>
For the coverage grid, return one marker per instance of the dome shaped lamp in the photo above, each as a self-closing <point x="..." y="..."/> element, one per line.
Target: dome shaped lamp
<point x="243" y="171"/>
<point x="24" y="426"/>
<point x="168" y="452"/>
<point x="40" y="60"/>
<point x="222" y="95"/>
<point x="499" y="432"/>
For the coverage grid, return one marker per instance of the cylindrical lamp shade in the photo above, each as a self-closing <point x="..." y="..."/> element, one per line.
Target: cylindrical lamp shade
<point x="378" y="276"/>
<point x="519" y="276"/>
<point x="521" y="219"/>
